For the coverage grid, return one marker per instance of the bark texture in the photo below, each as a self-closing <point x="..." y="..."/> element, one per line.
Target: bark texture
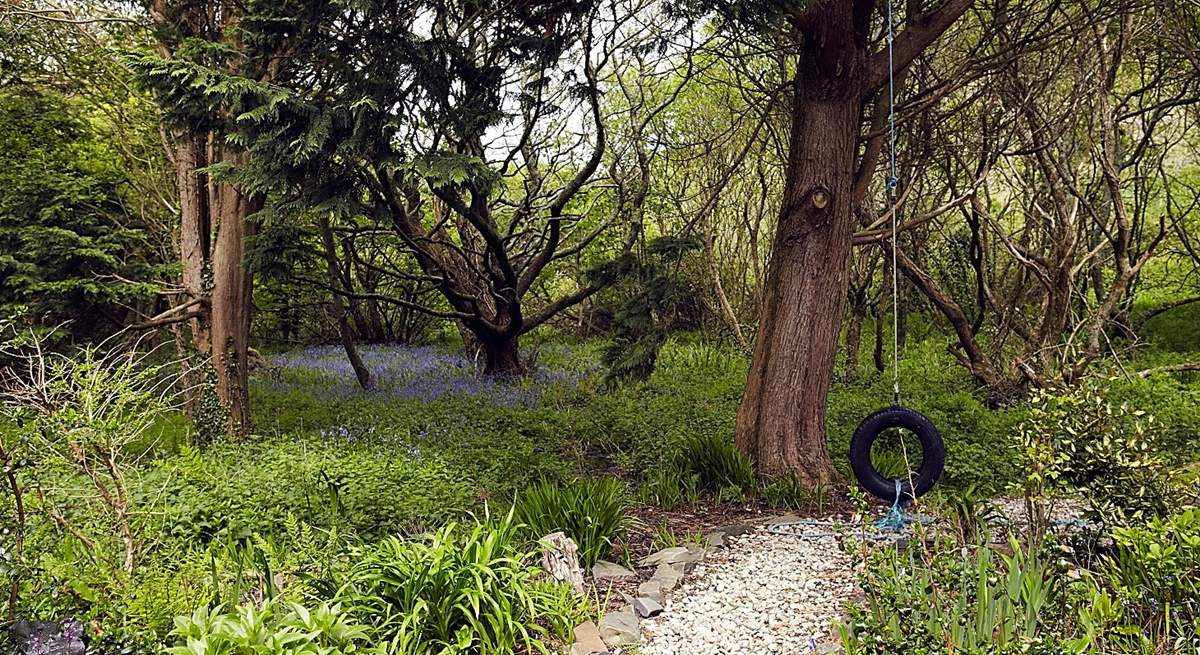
<point x="781" y="422"/>
<point x="231" y="304"/>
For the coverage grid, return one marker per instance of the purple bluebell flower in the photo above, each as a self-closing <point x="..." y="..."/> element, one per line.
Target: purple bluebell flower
<point x="412" y="373"/>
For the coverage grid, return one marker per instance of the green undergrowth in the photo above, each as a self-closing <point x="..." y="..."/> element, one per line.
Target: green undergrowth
<point x="324" y="475"/>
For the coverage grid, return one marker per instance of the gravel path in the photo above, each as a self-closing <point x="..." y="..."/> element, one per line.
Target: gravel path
<point x="764" y="593"/>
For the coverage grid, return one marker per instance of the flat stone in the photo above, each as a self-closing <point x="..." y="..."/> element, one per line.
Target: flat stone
<point x="647" y="607"/>
<point x="652" y="589"/>
<point x="654" y="559"/>
<point x="714" y="540"/>
<point x="605" y="570"/>
<point x="665" y="579"/>
<point x="674" y="555"/>
<point x="669" y="574"/>
<point x="786" y="518"/>
<point x="620" y="628"/>
<point x="588" y="641"/>
<point x="734" y="530"/>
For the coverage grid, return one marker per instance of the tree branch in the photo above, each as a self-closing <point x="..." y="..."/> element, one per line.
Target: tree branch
<point x="917" y="35"/>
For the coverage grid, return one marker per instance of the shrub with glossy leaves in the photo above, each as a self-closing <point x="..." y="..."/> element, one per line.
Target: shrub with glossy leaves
<point x="1075" y="437"/>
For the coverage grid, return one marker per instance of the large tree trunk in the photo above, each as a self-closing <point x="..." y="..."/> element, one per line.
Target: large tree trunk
<point x="195" y="231"/>
<point x="501" y="356"/>
<point x="231" y="306"/>
<point x="781" y="421"/>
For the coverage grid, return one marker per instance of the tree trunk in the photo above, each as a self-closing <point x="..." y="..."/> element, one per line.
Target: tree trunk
<point x="339" y="309"/>
<point x="231" y="288"/>
<point x="195" y="231"/>
<point x="781" y="421"/>
<point x="501" y="356"/>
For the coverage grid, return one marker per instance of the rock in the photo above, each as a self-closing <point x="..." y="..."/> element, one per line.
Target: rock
<point x="670" y="573"/>
<point x="675" y="555"/>
<point x="560" y="558"/>
<point x="734" y="530"/>
<point x="646" y="607"/>
<point x="604" y="570"/>
<point x="652" y="589"/>
<point x="665" y="579"/>
<point x="620" y="628"/>
<point x="780" y="520"/>
<point x="588" y="641"/>
<point x="47" y="637"/>
<point x="663" y="555"/>
<point x="714" y="540"/>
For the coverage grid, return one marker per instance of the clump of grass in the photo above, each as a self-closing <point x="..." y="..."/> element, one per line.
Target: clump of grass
<point x="472" y="590"/>
<point x="591" y="511"/>
<point x="788" y="492"/>
<point x="716" y="463"/>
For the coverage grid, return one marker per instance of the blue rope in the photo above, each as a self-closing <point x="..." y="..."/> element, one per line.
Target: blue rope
<point x="892" y="179"/>
<point x="891" y="194"/>
<point x="895" y="520"/>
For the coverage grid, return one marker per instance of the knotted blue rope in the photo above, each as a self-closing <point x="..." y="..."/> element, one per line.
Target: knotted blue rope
<point x="896" y="519"/>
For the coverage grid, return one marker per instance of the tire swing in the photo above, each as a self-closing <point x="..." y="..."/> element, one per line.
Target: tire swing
<point x="933" y="452"/>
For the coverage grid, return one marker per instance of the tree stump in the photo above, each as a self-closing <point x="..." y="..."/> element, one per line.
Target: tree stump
<point x="560" y="558"/>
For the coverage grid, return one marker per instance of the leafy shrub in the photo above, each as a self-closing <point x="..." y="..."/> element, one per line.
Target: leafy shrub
<point x="1075" y="437"/>
<point x="465" y="590"/>
<point x="658" y="298"/>
<point x="1155" y="570"/>
<point x="276" y="629"/>
<point x="667" y="487"/>
<point x="591" y="511"/>
<point x="369" y="488"/>
<point x="700" y="463"/>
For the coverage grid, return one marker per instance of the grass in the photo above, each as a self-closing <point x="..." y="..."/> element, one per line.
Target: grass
<point x="591" y="511"/>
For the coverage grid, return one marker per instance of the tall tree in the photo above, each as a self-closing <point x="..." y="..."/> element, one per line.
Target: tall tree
<point x="85" y="211"/>
<point x="197" y="42"/>
<point x="840" y="67"/>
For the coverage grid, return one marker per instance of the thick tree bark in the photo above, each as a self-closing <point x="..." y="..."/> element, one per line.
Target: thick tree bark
<point x="194" y="253"/>
<point x="231" y="289"/>
<point x="194" y="231"/>
<point x="502" y="356"/>
<point x="781" y="421"/>
<point x="338" y="307"/>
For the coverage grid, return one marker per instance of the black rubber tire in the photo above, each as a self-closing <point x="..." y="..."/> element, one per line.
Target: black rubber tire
<point x="933" y="453"/>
